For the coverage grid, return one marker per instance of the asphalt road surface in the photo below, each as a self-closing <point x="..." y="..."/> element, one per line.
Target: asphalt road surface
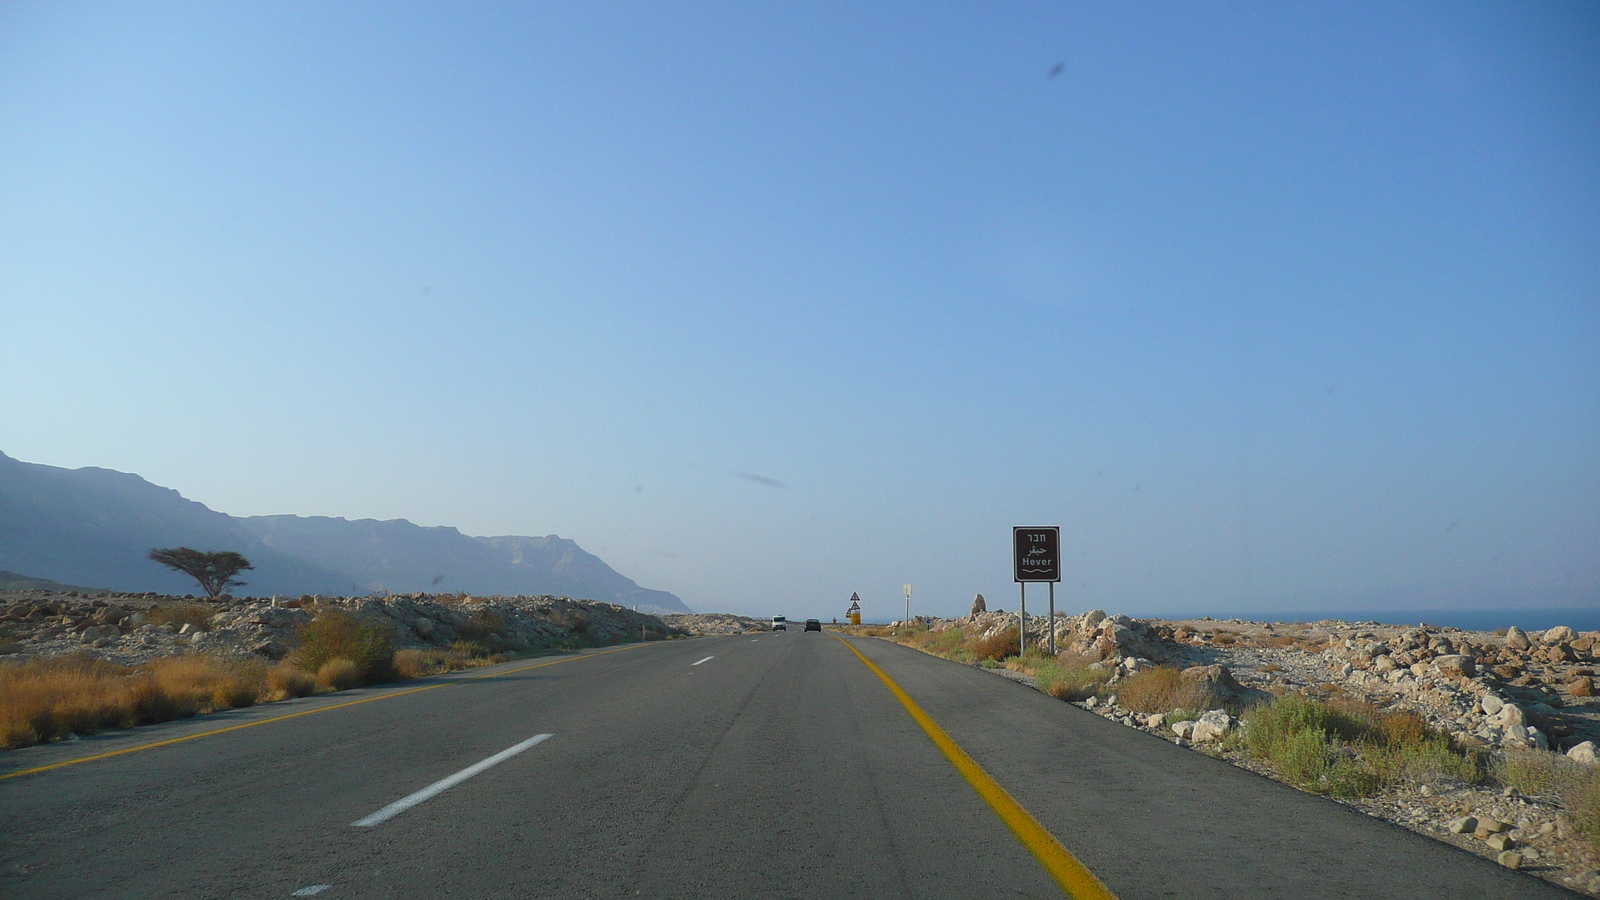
<point x="777" y="765"/>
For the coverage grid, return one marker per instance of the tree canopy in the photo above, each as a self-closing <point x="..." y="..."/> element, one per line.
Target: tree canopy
<point x="214" y="570"/>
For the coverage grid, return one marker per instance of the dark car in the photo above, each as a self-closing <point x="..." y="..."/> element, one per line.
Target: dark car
<point x="813" y="624"/>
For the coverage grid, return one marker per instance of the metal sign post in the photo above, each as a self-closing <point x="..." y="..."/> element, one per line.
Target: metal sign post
<point x="1036" y="556"/>
<point x="907" y="589"/>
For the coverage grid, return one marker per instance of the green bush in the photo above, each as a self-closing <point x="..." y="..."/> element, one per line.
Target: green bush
<point x="1350" y="748"/>
<point x="1068" y="682"/>
<point x="336" y="634"/>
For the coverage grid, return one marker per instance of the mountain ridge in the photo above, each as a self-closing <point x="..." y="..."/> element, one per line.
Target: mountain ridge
<point x="96" y="526"/>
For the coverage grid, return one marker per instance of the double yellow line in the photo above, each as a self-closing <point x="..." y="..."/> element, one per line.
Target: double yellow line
<point x="1072" y="876"/>
<point x="308" y="712"/>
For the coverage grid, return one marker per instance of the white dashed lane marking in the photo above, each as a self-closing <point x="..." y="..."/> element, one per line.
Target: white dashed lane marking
<point x="439" y="787"/>
<point x="311" y="890"/>
<point x="707" y="659"/>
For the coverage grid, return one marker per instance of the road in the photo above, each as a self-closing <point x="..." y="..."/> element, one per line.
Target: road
<point x="754" y="766"/>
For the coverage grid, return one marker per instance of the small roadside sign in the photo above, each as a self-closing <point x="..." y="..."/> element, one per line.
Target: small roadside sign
<point x="1037" y="553"/>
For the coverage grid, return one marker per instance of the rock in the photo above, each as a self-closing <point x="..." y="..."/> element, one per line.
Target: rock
<point x="1419" y="669"/>
<point x="1510" y="859"/>
<point x="1539" y="738"/>
<point x="1183" y="729"/>
<point x="424" y="627"/>
<point x="1487" y="827"/>
<point x="978" y="605"/>
<point x="1584" y="753"/>
<point x="1091" y="703"/>
<point x="1509" y="714"/>
<point x="1560" y="634"/>
<point x="1456" y="665"/>
<point x="1155" y="720"/>
<point x="1490" y="704"/>
<point x="188" y="628"/>
<point x="1517" y="639"/>
<point x="1093" y="618"/>
<point x="272" y="650"/>
<point x="91" y="634"/>
<point x="1218" y="678"/>
<point x="1582" y="686"/>
<point x="1517" y="733"/>
<point x="1383" y="664"/>
<point x="1214" y="723"/>
<point x="1463" y="825"/>
<point x="1500" y="842"/>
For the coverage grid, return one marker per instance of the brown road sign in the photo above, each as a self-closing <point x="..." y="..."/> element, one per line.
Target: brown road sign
<point x="1036" y="553"/>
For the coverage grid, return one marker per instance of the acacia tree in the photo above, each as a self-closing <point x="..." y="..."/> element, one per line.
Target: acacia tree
<point x="214" y="570"/>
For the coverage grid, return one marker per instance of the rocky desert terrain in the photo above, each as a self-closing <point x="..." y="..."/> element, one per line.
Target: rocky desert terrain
<point x="133" y="628"/>
<point x="1519" y="702"/>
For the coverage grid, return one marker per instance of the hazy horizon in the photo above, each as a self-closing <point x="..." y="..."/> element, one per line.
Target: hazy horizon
<point x="1268" y="308"/>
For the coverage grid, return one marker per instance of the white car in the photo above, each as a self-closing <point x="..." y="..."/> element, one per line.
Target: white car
<point x="780" y="623"/>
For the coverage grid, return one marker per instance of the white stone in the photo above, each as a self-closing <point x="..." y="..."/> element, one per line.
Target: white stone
<point x="1584" y="753"/>
<point x="1214" y="723"/>
<point x="1560" y="634"/>
<point x="1490" y="704"/>
<point x="1183" y="729"/>
<point x="1510" y="714"/>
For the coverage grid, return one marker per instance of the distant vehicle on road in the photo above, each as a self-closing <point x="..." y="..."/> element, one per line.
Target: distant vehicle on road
<point x="780" y="623"/>
<point x="813" y="625"/>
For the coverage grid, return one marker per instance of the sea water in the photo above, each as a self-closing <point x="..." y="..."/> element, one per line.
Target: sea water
<point x="1581" y="618"/>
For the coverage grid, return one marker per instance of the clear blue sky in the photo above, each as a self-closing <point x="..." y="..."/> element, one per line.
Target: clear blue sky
<point x="1269" y="306"/>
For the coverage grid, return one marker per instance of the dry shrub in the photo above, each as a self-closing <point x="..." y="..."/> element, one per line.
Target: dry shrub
<point x="1164" y="689"/>
<point x="50" y="699"/>
<point x="1218" y="636"/>
<point x="335" y="634"/>
<point x="339" y="674"/>
<point x="204" y="683"/>
<point x="410" y="664"/>
<point x="999" y="646"/>
<point x="178" y="615"/>
<point x="1281" y="641"/>
<point x="1582" y="797"/>
<point x="286" y="680"/>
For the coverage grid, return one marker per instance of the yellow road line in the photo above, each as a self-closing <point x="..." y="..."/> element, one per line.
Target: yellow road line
<point x="308" y="712"/>
<point x="1074" y="878"/>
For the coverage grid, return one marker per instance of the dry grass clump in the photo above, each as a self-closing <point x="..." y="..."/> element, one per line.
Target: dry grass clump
<point x="459" y="655"/>
<point x="998" y="647"/>
<point x="1069" y="676"/>
<point x="1164" y="689"/>
<point x="286" y="680"/>
<point x="339" y="674"/>
<point x="336" y="634"/>
<point x="49" y="699"/>
<point x="1575" y="784"/>
<point x="1218" y="636"/>
<point x="1350" y="748"/>
<point x="180" y="614"/>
